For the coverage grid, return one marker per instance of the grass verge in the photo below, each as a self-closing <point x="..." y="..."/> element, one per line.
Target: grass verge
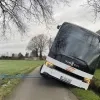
<point x="92" y="94"/>
<point x="85" y="94"/>
<point x="96" y="82"/>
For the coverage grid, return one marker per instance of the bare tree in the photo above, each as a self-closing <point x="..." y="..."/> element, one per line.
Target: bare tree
<point x="95" y="4"/>
<point x="13" y="55"/>
<point x="50" y="41"/>
<point x="42" y="43"/>
<point x="13" y="11"/>
<point x="20" y="56"/>
<point x="38" y="43"/>
<point x="98" y="32"/>
<point x="33" y="45"/>
<point x="26" y="55"/>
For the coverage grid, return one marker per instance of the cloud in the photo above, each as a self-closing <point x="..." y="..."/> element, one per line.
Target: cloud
<point x="74" y="13"/>
<point x="13" y="47"/>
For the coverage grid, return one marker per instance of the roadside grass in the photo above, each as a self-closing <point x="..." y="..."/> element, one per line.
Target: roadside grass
<point x="96" y="81"/>
<point x="97" y="74"/>
<point x="85" y="94"/>
<point x="14" y="67"/>
<point x="92" y="94"/>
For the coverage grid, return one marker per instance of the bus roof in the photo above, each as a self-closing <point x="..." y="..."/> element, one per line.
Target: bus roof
<point x="82" y="28"/>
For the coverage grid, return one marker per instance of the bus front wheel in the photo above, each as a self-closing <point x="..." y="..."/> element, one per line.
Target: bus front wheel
<point x="43" y="74"/>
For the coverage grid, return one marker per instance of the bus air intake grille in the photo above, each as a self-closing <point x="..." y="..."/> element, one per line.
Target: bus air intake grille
<point x="68" y="73"/>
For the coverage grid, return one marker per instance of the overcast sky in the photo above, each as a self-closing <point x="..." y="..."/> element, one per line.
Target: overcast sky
<point x="75" y="13"/>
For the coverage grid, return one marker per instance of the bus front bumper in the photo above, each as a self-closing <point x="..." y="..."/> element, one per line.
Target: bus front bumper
<point x="63" y="77"/>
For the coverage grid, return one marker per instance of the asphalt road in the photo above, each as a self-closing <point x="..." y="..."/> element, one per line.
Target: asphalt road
<point x="38" y="88"/>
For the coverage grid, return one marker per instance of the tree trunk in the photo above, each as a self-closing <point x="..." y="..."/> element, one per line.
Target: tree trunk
<point x="36" y="52"/>
<point x="40" y="54"/>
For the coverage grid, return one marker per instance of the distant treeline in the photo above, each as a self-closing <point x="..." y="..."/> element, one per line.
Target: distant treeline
<point x="8" y="58"/>
<point x="20" y="56"/>
<point x="13" y="57"/>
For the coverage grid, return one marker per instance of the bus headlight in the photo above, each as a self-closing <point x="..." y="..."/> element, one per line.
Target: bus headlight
<point x="87" y="80"/>
<point x="48" y="64"/>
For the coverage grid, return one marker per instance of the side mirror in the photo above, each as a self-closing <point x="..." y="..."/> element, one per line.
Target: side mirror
<point x="58" y="27"/>
<point x="99" y="39"/>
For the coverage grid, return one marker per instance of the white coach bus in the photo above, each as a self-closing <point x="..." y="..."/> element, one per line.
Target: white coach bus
<point x="73" y="56"/>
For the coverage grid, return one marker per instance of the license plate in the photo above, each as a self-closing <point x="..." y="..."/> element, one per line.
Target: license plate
<point x="65" y="79"/>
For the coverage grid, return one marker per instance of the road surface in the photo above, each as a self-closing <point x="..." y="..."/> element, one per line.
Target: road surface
<point x="39" y="88"/>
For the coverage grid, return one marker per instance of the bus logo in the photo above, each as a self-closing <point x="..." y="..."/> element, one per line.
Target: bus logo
<point x="70" y="69"/>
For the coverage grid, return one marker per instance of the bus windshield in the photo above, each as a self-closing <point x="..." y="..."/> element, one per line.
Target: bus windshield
<point x="74" y="41"/>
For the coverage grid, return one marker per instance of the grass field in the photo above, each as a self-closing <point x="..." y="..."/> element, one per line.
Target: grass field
<point x="17" y="66"/>
<point x="13" y="67"/>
